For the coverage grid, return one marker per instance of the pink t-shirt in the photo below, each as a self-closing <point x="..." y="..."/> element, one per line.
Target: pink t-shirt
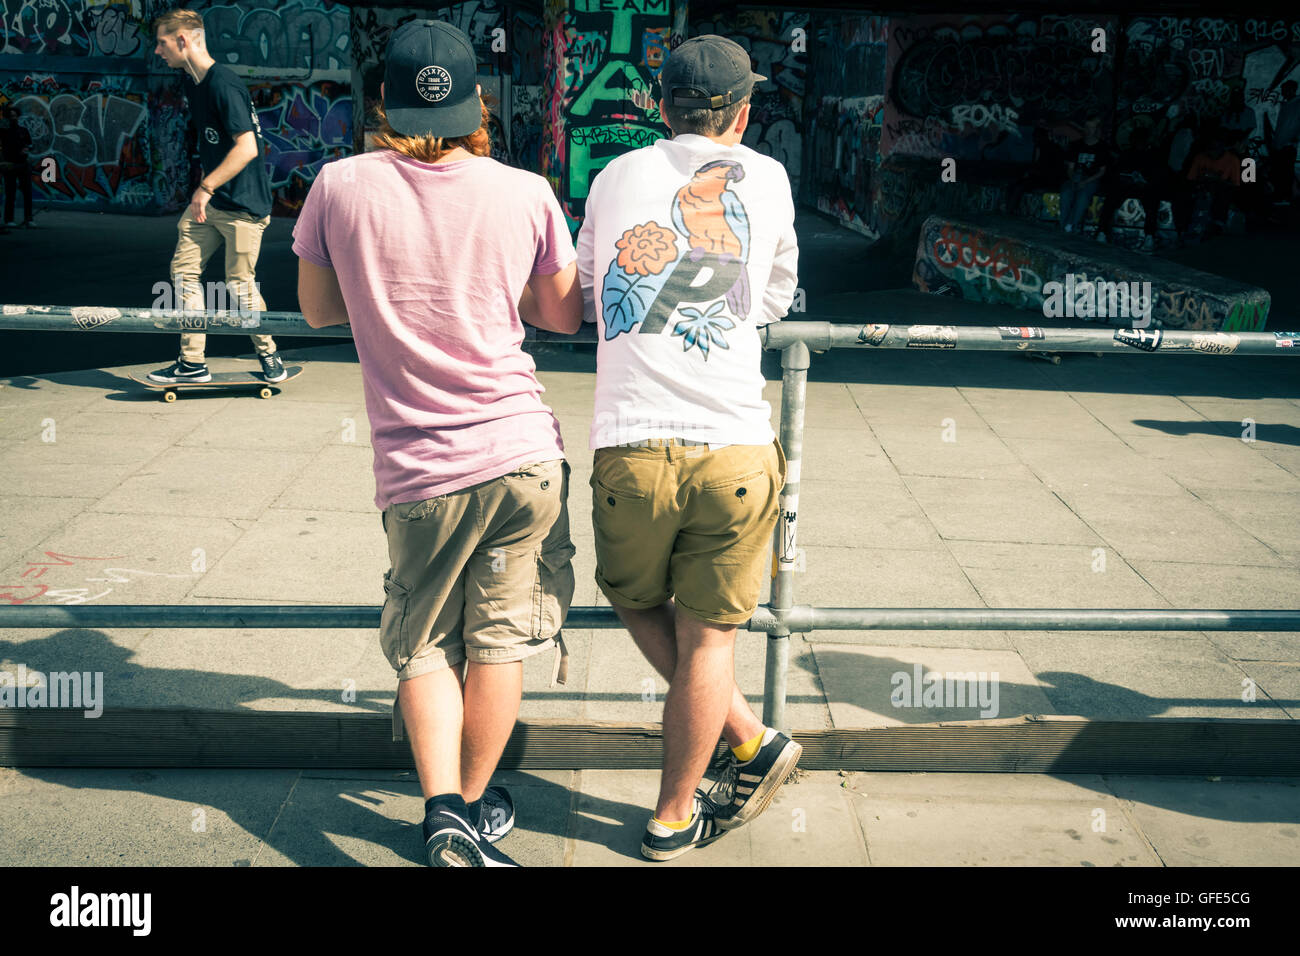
<point x="432" y="260"/>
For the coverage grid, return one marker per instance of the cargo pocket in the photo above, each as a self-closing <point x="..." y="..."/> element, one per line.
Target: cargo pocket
<point x="554" y="593"/>
<point x="392" y="621"/>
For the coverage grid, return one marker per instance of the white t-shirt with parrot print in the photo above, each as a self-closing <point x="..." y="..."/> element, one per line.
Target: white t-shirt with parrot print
<point x="687" y="249"/>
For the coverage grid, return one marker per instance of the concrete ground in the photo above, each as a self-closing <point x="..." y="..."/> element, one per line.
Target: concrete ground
<point x="930" y="479"/>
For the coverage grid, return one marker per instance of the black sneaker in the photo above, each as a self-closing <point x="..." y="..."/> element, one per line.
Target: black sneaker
<point x="745" y="789"/>
<point x="272" y="367"/>
<point x="661" y="843"/>
<point x="181" y="372"/>
<point x="449" y="840"/>
<point x="496" y="815"/>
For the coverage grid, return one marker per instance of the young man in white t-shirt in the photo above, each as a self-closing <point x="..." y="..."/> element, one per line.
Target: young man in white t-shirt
<point x="688" y="248"/>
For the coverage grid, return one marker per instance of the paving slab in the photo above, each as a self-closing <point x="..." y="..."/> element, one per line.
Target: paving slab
<point x="317" y="556"/>
<point x="1052" y="575"/>
<point x="970" y="453"/>
<point x="1167" y="528"/>
<point x="857" y="577"/>
<point x="886" y="686"/>
<point x="863" y="516"/>
<point x="188" y="482"/>
<point x="1230" y="821"/>
<point x="997" y="509"/>
<point x="1100" y="465"/>
<point x="75" y="464"/>
<point x="126" y="559"/>
<point x="28" y="520"/>
<point x="265" y="426"/>
<point x="1278" y="682"/>
<point x="1139" y="675"/>
<point x="137" y="817"/>
<point x="995" y="820"/>
<point x="339" y="478"/>
<point x="1222" y="585"/>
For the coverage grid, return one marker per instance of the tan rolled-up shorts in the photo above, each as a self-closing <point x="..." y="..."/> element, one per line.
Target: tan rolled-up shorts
<point x="482" y="574"/>
<point x="686" y="522"/>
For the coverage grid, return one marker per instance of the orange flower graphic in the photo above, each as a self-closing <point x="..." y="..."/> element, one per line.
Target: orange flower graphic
<point x="646" y="249"/>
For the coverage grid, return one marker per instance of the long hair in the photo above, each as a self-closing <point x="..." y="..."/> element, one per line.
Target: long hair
<point x="429" y="149"/>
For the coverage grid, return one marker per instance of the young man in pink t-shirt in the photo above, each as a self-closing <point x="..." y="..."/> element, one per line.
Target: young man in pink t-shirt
<point x="434" y="253"/>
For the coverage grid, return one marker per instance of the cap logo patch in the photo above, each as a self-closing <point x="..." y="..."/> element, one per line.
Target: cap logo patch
<point x="433" y="83"/>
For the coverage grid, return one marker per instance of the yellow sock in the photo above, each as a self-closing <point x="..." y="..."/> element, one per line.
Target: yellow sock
<point x="679" y="825"/>
<point x="749" y="749"/>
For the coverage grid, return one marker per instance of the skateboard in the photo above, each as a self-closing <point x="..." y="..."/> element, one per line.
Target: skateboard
<point x="223" y="380"/>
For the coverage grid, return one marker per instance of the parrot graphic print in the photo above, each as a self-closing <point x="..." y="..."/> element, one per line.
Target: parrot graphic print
<point x="651" y="279"/>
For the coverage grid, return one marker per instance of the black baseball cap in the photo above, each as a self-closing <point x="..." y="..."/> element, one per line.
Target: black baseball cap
<point x="707" y="72"/>
<point x="430" y="81"/>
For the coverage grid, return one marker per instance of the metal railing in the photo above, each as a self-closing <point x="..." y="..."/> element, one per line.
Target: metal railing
<point x="795" y="340"/>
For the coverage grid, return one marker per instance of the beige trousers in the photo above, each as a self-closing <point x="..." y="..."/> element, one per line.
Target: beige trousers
<point x="242" y="237"/>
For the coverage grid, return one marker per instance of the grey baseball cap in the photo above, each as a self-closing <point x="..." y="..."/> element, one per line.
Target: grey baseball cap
<point x="431" y="81"/>
<point x="707" y="72"/>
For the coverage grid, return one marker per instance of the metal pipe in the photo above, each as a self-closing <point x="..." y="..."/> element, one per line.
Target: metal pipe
<point x="1041" y="619"/>
<point x="795" y="360"/>
<point x="817" y="335"/>
<point x="799" y="619"/>
<point x="1027" y="338"/>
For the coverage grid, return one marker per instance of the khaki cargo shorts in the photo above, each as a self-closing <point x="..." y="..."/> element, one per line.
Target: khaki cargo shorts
<point x="482" y="574"/>
<point x="685" y="522"/>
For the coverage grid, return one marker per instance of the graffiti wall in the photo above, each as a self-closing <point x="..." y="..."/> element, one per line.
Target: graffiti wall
<point x="974" y="87"/>
<point x="1182" y="72"/>
<point x="293" y="37"/>
<point x="94" y="130"/>
<point x="845" y="102"/>
<point x="304" y="127"/>
<point x="116" y="124"/>
<point x="91" y="118"/>
<point x="600" y="63"/>
<point x="777" y="43"/>
<point x="72" y="28"/>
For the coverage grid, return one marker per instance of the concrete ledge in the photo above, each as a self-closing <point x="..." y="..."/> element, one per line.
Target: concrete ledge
<point x="1005" y="261"/>
<point x="1027" y="744"/>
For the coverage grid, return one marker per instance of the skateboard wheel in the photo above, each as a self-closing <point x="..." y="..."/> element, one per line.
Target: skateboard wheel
<point x="169" y="396"/>
<point x="1056" y="360"/>
<point x="265" y="393"/>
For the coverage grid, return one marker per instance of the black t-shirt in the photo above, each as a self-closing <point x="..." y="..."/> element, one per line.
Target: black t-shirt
<point x="1087" y="159"/>
<point x="222" y="110"/>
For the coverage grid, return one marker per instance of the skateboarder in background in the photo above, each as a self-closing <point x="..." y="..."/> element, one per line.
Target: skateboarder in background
<point x="232" y="204"/>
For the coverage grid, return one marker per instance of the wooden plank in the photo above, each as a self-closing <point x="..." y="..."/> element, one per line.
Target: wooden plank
<point x="261" y="739"/>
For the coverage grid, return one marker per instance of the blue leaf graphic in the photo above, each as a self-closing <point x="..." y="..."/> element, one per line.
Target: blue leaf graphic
<point x="625" y="299"/>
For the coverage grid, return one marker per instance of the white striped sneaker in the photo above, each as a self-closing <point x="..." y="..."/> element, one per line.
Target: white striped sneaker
<point x="745" y="789"/>
<point x="662" y="843"/>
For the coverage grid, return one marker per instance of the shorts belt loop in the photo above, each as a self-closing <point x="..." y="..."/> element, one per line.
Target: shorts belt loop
<point x="560" y="675"/>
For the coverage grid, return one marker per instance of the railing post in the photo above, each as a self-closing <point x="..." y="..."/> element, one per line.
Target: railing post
<point x="795" y="360"/>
